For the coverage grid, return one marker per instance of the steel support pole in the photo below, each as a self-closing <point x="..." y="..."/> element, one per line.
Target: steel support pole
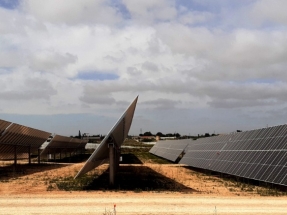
<point x="15" y="158"/>
<point x="15" y="155"/>
<point x="112" y="164"/>
<point x="29" y="154"/>
<point x="39" y="157"/>
<point x="117" y="157"/>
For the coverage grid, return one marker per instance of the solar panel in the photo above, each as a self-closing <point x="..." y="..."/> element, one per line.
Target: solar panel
<point x="63" y="144"/>
<point x="170" y="149"/>
<point x="259" y="154"/>
<point x="19" y="139"/>
<point x="117" y="135"/>
<point x="3" y="126"/>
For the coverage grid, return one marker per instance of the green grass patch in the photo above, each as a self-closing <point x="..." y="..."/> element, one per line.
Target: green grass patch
<point x="144" y="156"/>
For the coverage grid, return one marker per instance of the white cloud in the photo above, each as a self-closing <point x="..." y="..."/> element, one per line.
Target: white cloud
<point x="195" y="41"/>
<point x="149" y="11"/>
<point x="249" y="49"/>
<point x="92" y="96"/>
<point x="14" y="22"/>
<point x="265" y="11"/>
<point x="162" y="103"/>
<point x="72" y="12"/>
<point x="49" y="61"/>
<point x="149" y="66"/>
<point x="195" y="17"/>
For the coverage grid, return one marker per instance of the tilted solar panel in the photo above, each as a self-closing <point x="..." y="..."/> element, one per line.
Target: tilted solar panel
<point x="117" y="135"/>
<point x="170" y="149"/>
<point x="259" y="154"/>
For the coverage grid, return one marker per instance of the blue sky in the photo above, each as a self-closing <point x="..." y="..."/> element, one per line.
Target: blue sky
<point x="197" y="65"/>
<point x="9" y="4"/>
<point x="95" y="75"/>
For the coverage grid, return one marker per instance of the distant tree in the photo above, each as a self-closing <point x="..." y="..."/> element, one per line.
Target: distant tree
<point x="207" y="135"/>
<point x="80" y="136"/>
<point x="177" y="135"/>
<point x="169" y="135"/>
<point x="160" y="134"/>
<point x="148" y="133"/>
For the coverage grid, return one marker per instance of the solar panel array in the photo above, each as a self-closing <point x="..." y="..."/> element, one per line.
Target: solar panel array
<point x="25" y="139"/>
<point x="258" y="154"/>
<point x="170" y="149"/>
<point x="63" y="144"/>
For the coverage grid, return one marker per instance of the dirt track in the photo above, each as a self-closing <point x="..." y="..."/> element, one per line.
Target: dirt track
<point x="139" y="203"/>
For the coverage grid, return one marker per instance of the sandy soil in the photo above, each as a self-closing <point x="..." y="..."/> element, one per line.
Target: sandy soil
<point x="138" y="203"/>
<point x="26" y="193"/>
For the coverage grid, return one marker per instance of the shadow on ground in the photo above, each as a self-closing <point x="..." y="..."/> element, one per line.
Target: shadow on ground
<point x="10" y="171"/>
<point x="137" y="178"/>
<point x="130" y="159"/>
<point x="134" y="177"/>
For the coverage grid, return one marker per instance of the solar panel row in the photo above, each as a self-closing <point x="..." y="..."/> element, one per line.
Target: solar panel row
<point x="170" y="149"/>
<point x="63" y="144"/>
<point x="258" y="154"/>
<point x="19" y="139"/>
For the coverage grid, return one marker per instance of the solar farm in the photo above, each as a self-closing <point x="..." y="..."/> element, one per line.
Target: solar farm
<point x="237" y="173"/>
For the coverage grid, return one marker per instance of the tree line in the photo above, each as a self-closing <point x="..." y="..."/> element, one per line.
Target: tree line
<point x="177" y="135"/>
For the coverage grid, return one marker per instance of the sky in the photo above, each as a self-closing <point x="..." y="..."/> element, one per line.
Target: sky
<point x="198" y="66"/>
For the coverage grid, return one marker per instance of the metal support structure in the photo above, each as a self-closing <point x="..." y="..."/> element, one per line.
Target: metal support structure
<point x="112" y="156"/>
<point x="29" y="154"/>
<point x="117" y="157"/>
<point x="15" y="158"/>
<point x="39" y="156"/>
<point x="15" y="155"/>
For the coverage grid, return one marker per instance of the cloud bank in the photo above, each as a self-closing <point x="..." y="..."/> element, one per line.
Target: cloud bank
<point x="198" y="66"/>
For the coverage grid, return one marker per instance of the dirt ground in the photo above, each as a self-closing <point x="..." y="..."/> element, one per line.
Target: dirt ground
<point x="27" y="192"/>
